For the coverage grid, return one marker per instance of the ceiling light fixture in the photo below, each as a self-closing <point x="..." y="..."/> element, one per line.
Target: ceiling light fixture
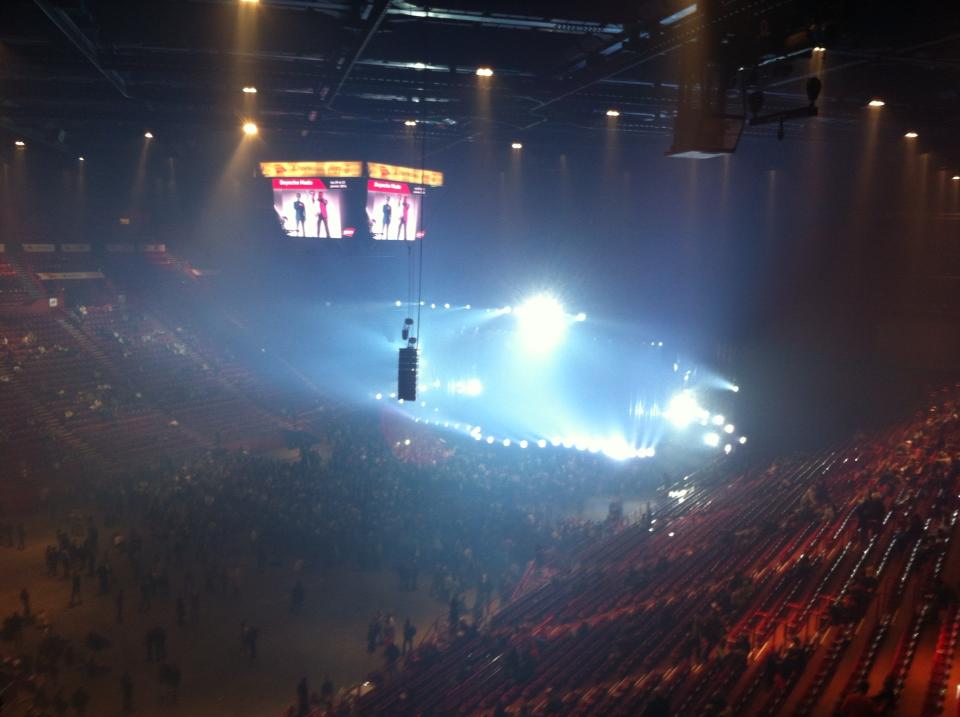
<point x="148" y="135"/>
<point x="81" y="158"/>
<point x="876" y="103"/>
<point x="911" y="135"/>
<point x="20" y="143"/>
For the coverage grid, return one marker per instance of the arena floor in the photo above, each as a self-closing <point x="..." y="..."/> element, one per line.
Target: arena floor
<point x="327" y="639"/>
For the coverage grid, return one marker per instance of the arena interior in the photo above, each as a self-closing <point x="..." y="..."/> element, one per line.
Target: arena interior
<point x="381" y="359"/>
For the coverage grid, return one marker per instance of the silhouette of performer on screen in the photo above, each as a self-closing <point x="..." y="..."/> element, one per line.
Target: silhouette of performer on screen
<point x="300" y="212"/>
<point x="322" y="216"/>
<point x="404" y="215"/>
<point x="387" y="212"/>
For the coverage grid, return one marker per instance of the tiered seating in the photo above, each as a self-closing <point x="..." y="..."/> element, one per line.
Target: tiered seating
<point x="106" y="377"/>
<point x="15" y="288"/>
<point x="747" y="563"/>
<point x="84" y="398"/>
<point x="194" y="389"/>
<point x="213" y="332"/>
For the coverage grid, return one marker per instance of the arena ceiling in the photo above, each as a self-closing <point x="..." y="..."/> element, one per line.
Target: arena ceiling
<point x="71" y="68"/>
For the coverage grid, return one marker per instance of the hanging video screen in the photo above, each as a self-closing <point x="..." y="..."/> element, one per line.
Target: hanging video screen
<point x="393" y="210"/>
<point x="312" y="199"/>
<point x="312" y="207"/>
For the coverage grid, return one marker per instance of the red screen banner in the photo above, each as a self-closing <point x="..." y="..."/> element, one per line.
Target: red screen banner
<point x="281" y="183"/>
<point x="379" y="185"/>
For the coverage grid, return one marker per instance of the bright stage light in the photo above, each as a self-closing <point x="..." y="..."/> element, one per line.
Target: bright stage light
<point x="250" y="128"/>
<point x="735" y="388"/>
<point x="484" y="72"/>
<point x="651" y="452"/>
<point x="683" y="410"/>
<point x="718" y="420"/>
<point x="20" y="143"/>
<point x="81" y="158"/>
<point x="876" y="103"/>
<point x="470" y="387"/>
<point x="618" y="449"/>
<point x="446" y="306"/>
<point x="490" y="440"/>
<point x="911" y="135"/>
<point x="506" y="442"/>
<point x="613" y="113"/>
<point x="249" y="90"/>
<point x="516" y="145"/>
<point x="743" y="440"/>
<point x="729" y="428"/>
<point x="580" y="317"/>
<point x="148" y="135"/>
<point x="379" y="396"/>
<point x="727" y="449"/>
<point x="541" y="323"/>
<point x="410" y="123"/>
<point x="712" y="439"/>
<point x="567" y="443"/>
<point x="542" y="443"/>
<point x="523" y="444"/>
<point x="406" y="441"/>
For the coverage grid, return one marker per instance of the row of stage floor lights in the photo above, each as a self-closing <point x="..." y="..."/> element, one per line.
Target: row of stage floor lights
<point x="720" y="433"/>
<point x="614" y="448"/>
